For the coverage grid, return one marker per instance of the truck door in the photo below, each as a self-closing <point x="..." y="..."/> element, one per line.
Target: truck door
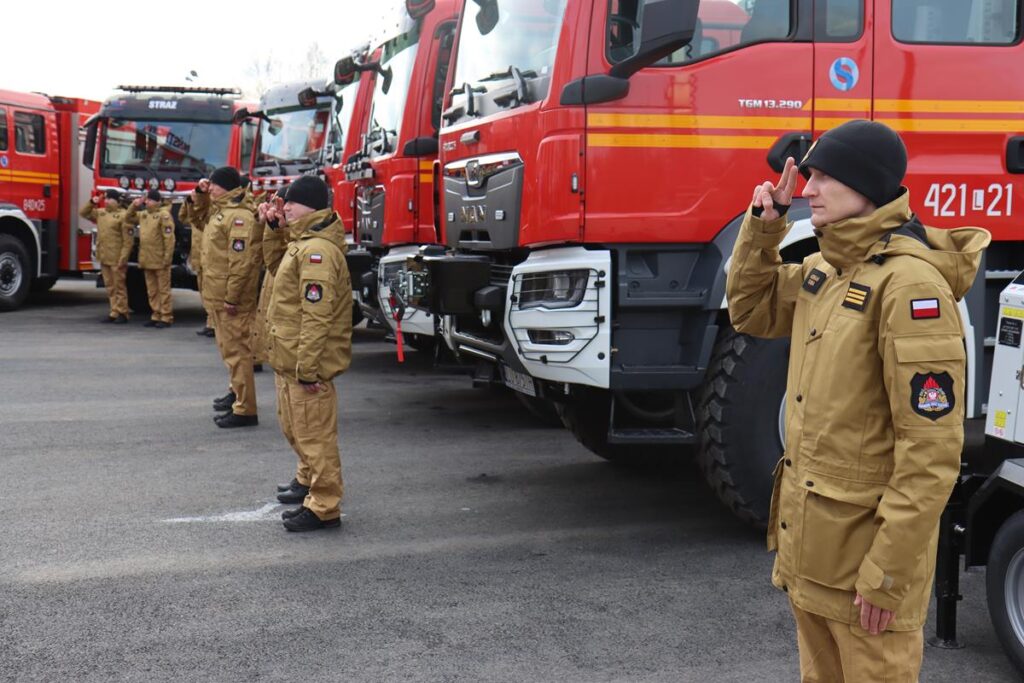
<point x="5" y="156"/>
<point x="35" y="168"/>
<point x="948" y="78"/>
<point x="680" y="153"/>
<point x="843" y="64"/>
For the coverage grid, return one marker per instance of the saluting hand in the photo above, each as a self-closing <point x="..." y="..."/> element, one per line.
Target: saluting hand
<point x="203" y="185"/>
<point x="95" y="200"/>
<point x="767" y="196"/>
<point x="313" y="388"/>
<point x="137" y="202"/>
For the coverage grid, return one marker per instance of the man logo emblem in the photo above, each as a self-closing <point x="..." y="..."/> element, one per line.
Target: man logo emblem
<point x="473" y="176"/>
<point x="476" y="213"/>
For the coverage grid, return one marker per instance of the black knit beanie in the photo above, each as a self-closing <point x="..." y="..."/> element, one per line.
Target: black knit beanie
<point x="309" y="191"/>
<point x="226" y="177"/>
<point x="154" y="195"/>
<point x="114" y="194"/>
<point x="866" y="156"/>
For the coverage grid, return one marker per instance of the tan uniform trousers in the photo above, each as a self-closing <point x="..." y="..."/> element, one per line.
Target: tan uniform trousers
<point x="258" y="342"/>
<point x="199" y="286"/>
<point x="310" y="423"/>
<point x="834" y="652"/>
<point x="233" y="343"/>
<point x="158" y="287"/>
<point x="117" y="291"/>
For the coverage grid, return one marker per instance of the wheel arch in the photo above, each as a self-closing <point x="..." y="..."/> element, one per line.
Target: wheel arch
<point x="999" y="498"/>
<point x="16" y="224"/>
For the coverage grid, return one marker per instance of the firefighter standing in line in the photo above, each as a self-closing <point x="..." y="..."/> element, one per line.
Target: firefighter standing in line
<point x="186" y="215"/>
<point x="114" y="242"/>
<point x="873" y="441"/>
<point x="310" y="331"/>
<point x="230" y="261"/>
<point x="156" y="252"/>
<point x="258" y="332"/>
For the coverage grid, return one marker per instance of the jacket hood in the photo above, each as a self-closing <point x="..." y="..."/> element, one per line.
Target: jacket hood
<point x="324" y="223"/>
<point x="893" y="230"/>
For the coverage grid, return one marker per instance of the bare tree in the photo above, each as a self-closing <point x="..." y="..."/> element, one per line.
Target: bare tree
<point x="268" y="70"/>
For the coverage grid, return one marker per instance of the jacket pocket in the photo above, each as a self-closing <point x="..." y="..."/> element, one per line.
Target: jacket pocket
<point x="839" y="527"/>
<point x="282" y="353"/>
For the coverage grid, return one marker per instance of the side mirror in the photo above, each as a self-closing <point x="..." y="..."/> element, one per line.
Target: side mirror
<point x="486" y="16"/>
<point x="92" y="127"/>
<point x="387" y="75"/>
<point x="418" y="8"/>
<point x="665" y="26"/>
<point x="240" y="115"/>
<point x="345" y="70"/>
<point x="274" y="126"/>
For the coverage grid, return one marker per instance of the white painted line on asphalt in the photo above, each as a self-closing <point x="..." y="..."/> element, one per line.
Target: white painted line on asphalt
<point x="267" y="512"/>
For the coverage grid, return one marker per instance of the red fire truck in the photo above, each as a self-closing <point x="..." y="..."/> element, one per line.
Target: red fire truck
<point x="598" y="156"/>
<point x="42" y="184"/>
<point x="393" y="172"/>
<point x="165" y="138"/>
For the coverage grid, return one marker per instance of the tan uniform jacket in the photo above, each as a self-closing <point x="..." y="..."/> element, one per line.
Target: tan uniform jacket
<point x="874" y="403"/>
<point x="232" y="250"/>
<point x="114" y="240"/>
<point x="310" y="313"/>
<point x="156" y="236"/>
<point x="195" y="247"/>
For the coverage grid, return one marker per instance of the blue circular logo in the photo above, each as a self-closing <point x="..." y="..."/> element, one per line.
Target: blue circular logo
<point x="844" y="74"/>
<point x="4" y="161"/>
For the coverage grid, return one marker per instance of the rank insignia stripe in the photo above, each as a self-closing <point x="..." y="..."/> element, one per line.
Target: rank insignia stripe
<point x="814" y="281"/>
<point x="924" y="309"/>
<point x="857" y="297"/>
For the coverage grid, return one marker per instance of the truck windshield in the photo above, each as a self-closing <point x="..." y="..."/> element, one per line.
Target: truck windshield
<point x="294" y="135"/>
<point x="186" y="148"/>
<point x="399" y="57"/>
<point x="509" y="40"/>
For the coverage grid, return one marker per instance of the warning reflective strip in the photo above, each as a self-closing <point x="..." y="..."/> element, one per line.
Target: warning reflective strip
<point x="680" y="141"/>
<point x="955" y="125"/>
<point x="36" y="174"/>
<point x="426" y="165"/>
<point x="841" y="104"/>
<point x="952" y="106"/>
<point x="690" y="121"/>
<point x="426" y="178"/>
<point x="26" y="175"/>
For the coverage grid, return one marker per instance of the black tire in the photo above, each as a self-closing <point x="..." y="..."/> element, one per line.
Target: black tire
<point x="542" y="409"/>
<point x="1003" y="579"/>
<point x="138" y="298"/>
<point x="15" y="273"/>
<point x="738" y="419"/>
<point x="43" y="284"/>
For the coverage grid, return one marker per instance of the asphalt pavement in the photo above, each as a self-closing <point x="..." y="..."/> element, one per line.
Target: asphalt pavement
<point x="142" y="543"/>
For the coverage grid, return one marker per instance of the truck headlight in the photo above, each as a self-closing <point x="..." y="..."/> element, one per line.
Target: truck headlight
<point x="554" y="289"/>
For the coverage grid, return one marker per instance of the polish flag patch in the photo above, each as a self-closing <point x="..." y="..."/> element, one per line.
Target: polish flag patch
<point x="924" y="309"/>
<point x="316" y="258"/>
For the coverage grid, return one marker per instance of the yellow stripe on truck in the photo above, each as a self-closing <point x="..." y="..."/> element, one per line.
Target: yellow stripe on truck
<point x="598" y="120"/>
<point x="680" y="141"/>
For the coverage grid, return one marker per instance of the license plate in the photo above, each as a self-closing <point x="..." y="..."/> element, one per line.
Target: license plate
<point x="518" y="381"/>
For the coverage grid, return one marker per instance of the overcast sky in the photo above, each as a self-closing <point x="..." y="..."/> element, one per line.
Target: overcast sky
<point x="84" y="50"/>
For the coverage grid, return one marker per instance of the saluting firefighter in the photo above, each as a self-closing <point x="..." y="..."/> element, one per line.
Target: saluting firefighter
<point x="231" y="258"/>
<point x="874" y="403"/>
<point x="156" y="252"/>
<point x="114" y="242"/>
<point x="186" y="216"/>
<point x="258" y="331"/>
<point x="310" y="329"/>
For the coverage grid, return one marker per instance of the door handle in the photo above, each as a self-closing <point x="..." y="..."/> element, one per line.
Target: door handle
<point x="1015" y="154"/>
<point x="789" y="145"/>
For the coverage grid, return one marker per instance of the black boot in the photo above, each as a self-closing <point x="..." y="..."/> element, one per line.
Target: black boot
<point x="306" y="520"/>
<point x="210" y="332"/>
<point x="230" y="420"/>
<point x="160" y="324"/>
<point x="151" y="323"/>
<point x="290" y="485"/>
<point x="202" y="332"/>
<point x="225" y="402"/>
<point x="120" y="320"/>
<point x="295" y="494"/>
<point x="108" y="319"/>
<point x="288" y="514"/>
